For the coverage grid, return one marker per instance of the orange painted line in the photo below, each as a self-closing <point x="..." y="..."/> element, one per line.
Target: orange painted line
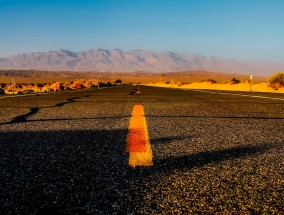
<point x="137" y="141"/>
<point x="137" y="110"/>
<point x="136" y="138"/>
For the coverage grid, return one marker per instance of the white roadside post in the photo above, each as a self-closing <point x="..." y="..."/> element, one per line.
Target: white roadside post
<point x="13" y="86"/>
<point x="250" y="82"/>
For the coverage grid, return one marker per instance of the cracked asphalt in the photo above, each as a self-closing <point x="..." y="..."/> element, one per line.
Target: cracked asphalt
<point x="64" y="153"/>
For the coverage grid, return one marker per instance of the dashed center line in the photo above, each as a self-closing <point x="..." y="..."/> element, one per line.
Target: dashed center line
<point x="137" y="141"/>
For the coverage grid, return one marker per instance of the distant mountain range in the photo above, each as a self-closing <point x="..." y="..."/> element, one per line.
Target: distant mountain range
<point x="116" y="60"/>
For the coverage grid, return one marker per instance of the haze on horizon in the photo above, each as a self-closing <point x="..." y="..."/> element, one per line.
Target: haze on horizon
<point x="237" y="29"/>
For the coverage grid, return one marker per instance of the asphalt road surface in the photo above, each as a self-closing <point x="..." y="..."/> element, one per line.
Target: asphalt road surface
<point x="64" y="153"/>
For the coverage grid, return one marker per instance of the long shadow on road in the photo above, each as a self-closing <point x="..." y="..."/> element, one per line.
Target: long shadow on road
<point x="84" y="172"/>
<point x="64" y="172"/>
<point x="167" y="165"/>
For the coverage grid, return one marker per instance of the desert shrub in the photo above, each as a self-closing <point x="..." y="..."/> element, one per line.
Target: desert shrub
<point x="101" y="84"/>
<point x="40" y="84"/>
<point x="276" y="81"/>
<point x="210" y="80"/>
<point x="167" y="82"/>
<point x="2" y="91"/>
<point x="118" y="81"/>
<point x="29" y="91"/>
<point x="235" y="81"/>
<point x="107" y="84"/>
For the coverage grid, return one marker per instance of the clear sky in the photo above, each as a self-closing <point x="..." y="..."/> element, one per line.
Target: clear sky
<point x="237" y="29"/>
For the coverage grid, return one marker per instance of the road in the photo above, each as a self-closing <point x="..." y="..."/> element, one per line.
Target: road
<point x="64" y="153"/>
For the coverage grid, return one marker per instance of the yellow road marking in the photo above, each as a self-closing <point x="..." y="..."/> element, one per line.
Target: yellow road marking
<point x="137" y="141"/>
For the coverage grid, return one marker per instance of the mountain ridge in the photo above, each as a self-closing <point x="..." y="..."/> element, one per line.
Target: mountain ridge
<point x="117" y="60"/>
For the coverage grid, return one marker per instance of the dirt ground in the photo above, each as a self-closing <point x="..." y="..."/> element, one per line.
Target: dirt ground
<point x="260" y="87"/>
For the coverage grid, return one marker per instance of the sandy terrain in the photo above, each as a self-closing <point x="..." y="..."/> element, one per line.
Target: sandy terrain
<point x="261" y="87"/>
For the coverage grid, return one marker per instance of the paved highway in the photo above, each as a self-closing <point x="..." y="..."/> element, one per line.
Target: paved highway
<point x="64" y="153"/>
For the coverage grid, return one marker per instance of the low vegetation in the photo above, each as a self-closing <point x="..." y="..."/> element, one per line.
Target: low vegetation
<point x="235" y="81"/>
<point x="210" y="80"/>
<point x="23" y="88"/>
<point x="276" y="81"/>
<point x="118" y="81"/>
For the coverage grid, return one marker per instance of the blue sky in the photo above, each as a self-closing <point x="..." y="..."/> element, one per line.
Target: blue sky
<point x="237" y="29"/>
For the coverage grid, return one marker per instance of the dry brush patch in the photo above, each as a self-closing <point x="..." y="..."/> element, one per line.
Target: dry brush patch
<point x="276" y="81"/>
<point x="21" y="88"/>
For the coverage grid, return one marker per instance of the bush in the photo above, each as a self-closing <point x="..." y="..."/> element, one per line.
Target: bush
<point x="40" y="84"/>
<point x="101" y="84"/>
<point x="29" y="91"/>
<point x="118" y="81"/>
<point x="276" y="81"/>
<point x="210" y="80"/>
<point x="235" y="81"/>
<point x="2" y="91"/>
